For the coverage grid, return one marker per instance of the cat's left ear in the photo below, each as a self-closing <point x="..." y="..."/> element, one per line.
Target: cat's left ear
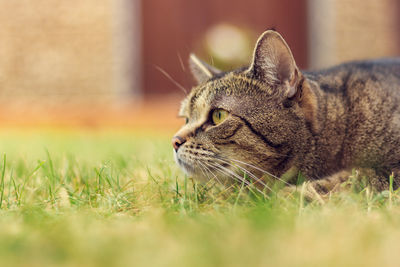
<point x="273" y="63"/>
<point x="201" y="70"/>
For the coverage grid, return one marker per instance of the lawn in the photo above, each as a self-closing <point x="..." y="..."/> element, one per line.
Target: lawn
<point x="116" y="198"/>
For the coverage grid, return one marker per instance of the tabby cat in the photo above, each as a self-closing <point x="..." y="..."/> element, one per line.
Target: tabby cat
<point x="272" y="121"/>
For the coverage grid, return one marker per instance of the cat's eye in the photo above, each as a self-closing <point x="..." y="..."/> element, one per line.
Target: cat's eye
<point x="218" y="116"/>
<point x="186" y="120"/>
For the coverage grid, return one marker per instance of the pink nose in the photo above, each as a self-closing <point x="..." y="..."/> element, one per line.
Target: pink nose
<point x="177" y="141"/>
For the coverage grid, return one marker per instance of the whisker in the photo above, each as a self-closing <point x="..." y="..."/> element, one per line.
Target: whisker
<point x="206" y="164"/>
<point x="203" y="171"/>
<point x="240" y="179"/>
<point x="209" y="171"/>
<point x="259" y="169"/>
<point x="219" y="168"/>
<point x="171" y="79"/>
<point x="224" y="171"/>
<point x="257" y="180"/>
<point x="216" y="177"/>
<point x="181" y="61"/>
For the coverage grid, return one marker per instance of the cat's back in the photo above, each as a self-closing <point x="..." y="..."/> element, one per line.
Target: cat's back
<point x="377" y="76"/>
<point x="369" y="93"/>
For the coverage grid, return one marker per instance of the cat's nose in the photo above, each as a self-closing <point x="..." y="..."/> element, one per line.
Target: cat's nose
<point x="177" y="141"/>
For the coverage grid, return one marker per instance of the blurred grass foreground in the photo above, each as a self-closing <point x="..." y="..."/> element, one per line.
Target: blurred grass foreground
<point x="115" y="198"/>
<point x="87" y="176"/>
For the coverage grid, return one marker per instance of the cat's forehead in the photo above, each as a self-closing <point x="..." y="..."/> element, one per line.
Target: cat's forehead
<point x="198" y="100"/>
<point x="201" y="96"/>
<point x="232" y="84"/>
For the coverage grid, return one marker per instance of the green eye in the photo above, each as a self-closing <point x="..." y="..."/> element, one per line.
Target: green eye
<point x="186" y="120"/>
<point x="219" y="115"/>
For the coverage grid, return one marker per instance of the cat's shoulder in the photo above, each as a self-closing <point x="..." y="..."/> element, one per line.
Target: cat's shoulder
<point x="359" y="66"/>
<point x="385" y="70"/>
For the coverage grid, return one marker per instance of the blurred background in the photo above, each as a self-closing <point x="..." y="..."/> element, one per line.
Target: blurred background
<point x="121" y="63"/>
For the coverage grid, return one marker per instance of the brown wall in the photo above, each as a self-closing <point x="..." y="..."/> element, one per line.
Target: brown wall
<point x="344" y="30"/>
<point x="172" y="29"/>
<point x="366" y="29"/>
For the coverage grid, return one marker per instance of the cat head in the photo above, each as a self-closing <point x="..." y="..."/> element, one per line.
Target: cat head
<point x="255" y="119"/>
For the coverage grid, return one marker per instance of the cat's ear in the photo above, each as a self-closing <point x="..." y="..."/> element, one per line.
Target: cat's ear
<point x="201" y="70"/>
<point x="273" y="62"/>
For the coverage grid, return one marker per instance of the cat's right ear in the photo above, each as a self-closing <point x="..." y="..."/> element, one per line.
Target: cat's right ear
<point x="201" y="71"/>
<point x="273" y="63"/>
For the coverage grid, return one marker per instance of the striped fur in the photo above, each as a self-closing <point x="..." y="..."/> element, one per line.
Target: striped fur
<point x="324" y="124"/>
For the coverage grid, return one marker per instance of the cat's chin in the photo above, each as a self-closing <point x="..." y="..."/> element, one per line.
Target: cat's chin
<point x="185" y="167"/>
<point x="190" y="170"/>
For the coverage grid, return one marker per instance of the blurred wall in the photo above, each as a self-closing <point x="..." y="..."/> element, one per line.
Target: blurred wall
<point x="66" y="51"/>
<point x="173" y="29"/>
<point x="342" y="30"/>
<point x="110" y="51"/>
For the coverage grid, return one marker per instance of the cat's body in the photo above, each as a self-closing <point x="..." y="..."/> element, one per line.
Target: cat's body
<point x="272" y="118"/>
<point x="360" y="120"/>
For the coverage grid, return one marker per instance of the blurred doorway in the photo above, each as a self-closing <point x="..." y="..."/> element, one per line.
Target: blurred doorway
<point x="173" y="29"/>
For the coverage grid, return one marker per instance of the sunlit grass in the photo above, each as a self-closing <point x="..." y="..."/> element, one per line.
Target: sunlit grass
<point x="116" y="198"/>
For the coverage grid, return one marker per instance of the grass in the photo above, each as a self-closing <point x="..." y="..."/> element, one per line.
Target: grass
<point x="116" y="198"/>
